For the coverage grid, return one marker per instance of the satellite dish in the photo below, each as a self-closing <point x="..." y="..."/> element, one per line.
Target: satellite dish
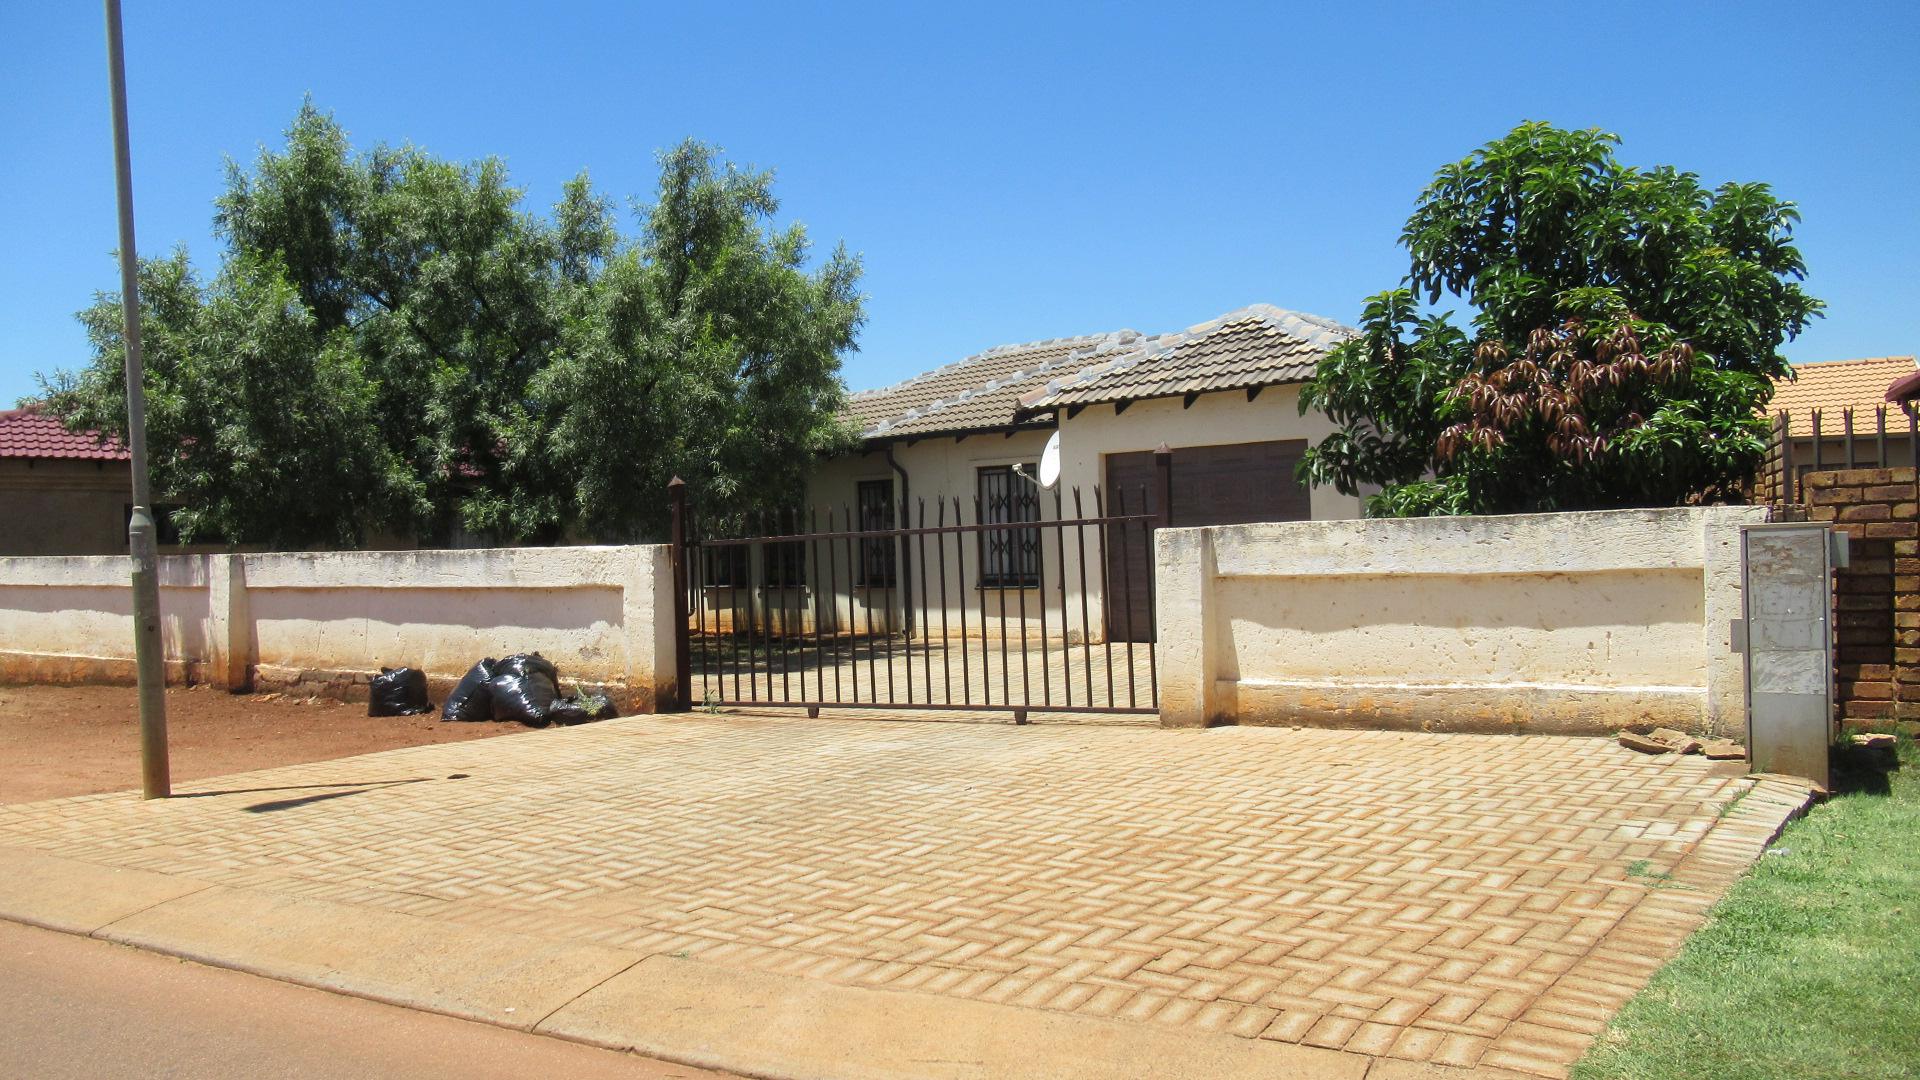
<point x="1050" y="462"/>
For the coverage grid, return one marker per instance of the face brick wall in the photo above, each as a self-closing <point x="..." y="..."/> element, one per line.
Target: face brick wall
<point x="1877" y="599"/>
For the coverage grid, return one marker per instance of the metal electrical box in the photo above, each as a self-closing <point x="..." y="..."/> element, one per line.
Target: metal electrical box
<point x="1786" y="596"/>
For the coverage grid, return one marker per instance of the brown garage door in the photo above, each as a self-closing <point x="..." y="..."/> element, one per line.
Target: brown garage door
<point x="1212" y="485"/>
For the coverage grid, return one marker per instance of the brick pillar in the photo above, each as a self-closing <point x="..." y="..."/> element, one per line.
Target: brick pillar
<point x="1876" y="599"/>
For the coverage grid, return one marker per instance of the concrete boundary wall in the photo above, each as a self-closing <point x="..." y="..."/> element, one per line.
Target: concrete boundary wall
<point x="326" y="621"/>
<point x="1572" y="623"/>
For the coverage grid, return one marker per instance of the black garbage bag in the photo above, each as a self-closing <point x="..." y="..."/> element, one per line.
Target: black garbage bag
<point x="583" y="708"/>
<point x="567" y="712"/>
<point x="470" y="699"/>
<point x="398" y="692"/>
<point x="524" y="664"/>
<point x="528" y="697"/>
<point x="597" y="706"/>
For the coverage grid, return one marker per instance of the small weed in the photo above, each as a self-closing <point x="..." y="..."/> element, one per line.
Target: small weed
<point x="711" y="704"/>
<point x="1727" y="807"/>
<point x="1657" y="879"/>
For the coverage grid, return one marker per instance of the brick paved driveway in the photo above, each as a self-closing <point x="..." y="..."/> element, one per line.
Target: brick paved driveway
<point x="1456" y="899"/>
<point x="1039" y="673"/>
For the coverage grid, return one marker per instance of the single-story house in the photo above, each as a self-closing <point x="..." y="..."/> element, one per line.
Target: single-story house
<point x="1860" y="408"/>
<point x="65" y="492"/>
<point x="965" y="440"/>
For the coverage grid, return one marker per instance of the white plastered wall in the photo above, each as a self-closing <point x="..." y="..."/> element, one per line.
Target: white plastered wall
<point x="1582" y="622"/>
<point x="943" y="465"/>
<point x="602" y="614"/>
<point x="1217" y="419"/>
<point x="936" y="467"/>
<point x="70" y="618"/>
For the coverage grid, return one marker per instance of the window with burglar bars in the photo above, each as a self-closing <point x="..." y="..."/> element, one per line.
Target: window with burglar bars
<point x="1009" y="558"/>
<point x="725" y="567"/>
<point x="875" y="499"/>
<point x="786" y="563"/>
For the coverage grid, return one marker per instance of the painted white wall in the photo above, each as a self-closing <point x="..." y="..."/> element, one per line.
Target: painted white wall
<point x="68" y="608"/>
<point x="944" y="466"/>
<point x="1219" y="419"/>
<point x="1547" y="622"/>
<point x="603" y="615"/>
<point x="948" y="466"/>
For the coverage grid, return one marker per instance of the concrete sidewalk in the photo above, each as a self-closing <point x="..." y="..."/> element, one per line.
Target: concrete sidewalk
<point x="83" y="1009"/>
<point x="791" y="898"/>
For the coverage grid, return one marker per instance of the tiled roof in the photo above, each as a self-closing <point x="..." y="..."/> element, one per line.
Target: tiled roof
<point x="1835" y="384"/>
<point x="1255" y="346"/>
<point x="29" y="433"/>
<point x="1008" y="385"/>
<point x="978" y="393"/>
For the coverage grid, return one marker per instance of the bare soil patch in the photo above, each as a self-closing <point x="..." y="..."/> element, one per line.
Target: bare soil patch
<point x="57" y="741"/>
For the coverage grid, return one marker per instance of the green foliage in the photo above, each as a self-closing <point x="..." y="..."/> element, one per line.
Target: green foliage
<point x="393" y="345"/>
<point x="262" y="427"/>
<point x="1543" y="232"/>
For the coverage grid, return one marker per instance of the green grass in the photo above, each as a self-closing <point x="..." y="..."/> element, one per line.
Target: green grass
<point x="1809" y="967"/>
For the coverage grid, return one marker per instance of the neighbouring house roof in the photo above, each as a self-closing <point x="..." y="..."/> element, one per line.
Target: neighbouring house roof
<point x="29" y="433"/>
<point x="1260" y="345"/>
<point x="1012" y="385"/>
<point x="1905" y="388"/>
<point x="980" y="393"/>
<point x="1833" y="385"/>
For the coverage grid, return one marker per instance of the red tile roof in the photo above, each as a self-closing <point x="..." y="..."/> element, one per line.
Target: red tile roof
<point x="1828" y="386"/>
<point x="29" y="433"/>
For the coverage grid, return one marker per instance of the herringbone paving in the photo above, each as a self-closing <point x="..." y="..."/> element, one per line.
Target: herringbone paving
<point x="1460" y="899"/>
<point x="1037" y="672"/>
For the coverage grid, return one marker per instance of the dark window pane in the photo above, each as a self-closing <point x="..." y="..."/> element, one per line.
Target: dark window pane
<point x="787" y="562"/>
<point x="724" y="567"/>
<point x="876" y="568"/>
<point x="1009" y="558"/>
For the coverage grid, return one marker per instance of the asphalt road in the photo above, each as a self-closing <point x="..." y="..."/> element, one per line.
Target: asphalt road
<point x="91" y="1010"/>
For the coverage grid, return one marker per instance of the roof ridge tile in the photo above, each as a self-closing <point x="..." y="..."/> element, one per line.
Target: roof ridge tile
<point x="1313" y="331"/>
<point x="1086" y="343"/>
<point x="974" y="358"/>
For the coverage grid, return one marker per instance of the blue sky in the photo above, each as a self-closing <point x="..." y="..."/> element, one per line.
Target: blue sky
<point x="1009" y="172"/>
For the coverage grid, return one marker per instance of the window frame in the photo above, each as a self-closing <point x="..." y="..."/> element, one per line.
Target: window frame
<point x="879" y="566"/>
<point x="785" y="565"/>
<point x="726" y="566"/>
<point x="1019" y="562"/>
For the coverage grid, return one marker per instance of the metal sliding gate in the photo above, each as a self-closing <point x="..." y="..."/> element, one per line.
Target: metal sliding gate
<point x="935" y="604"/>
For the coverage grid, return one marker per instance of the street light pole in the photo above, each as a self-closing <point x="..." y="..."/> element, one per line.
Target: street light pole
<point x="155" y="782"/>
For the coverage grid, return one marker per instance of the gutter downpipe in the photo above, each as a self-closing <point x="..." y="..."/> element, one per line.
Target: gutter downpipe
<point x="906" y="550"/>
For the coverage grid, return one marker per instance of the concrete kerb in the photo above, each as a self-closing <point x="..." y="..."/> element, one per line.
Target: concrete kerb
<point x="767" y="1025"/>
<point x="79" y="897"/>
<point x="684" y="1011"/>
